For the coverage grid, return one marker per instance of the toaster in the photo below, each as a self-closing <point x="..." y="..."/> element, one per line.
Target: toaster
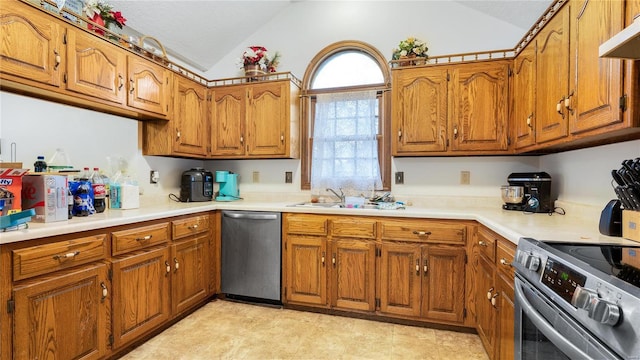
<point x="196" y="185"/>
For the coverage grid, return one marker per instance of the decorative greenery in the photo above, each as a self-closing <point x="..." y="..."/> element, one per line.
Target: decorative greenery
<point x="411" y="47"/>
<point x="259" y="55"/>
<point x="102" y="14"/>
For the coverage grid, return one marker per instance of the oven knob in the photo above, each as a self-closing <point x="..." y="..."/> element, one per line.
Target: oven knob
<point x="583" y="298"/>
<point x="605" y="312"/>
<point x="532" y="263"/>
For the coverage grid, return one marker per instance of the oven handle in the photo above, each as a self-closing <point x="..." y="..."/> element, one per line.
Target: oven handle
<point x="547" y="329"/>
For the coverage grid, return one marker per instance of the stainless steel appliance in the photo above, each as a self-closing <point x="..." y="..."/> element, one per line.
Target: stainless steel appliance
<point x="577" y="301"/>
<point x="196" y="185"/>
<point x="251" y="255"/>
<point x="537" y="192"/>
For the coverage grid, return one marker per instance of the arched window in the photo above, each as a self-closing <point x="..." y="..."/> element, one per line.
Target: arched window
<point x="346" y="119"/>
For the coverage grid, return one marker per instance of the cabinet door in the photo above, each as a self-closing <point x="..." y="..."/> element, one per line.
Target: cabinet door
<point x="485" y="312"/>
<point x="63" y="315"/>
<point x="596" y="83"/>
<point x="228" y="113"/>
<point x="353" y="274"/>
<point x="400" y="279"/>
<point x="443" y="283"/>
<point x="419" y="111"/>
<point x="506" y="316"/>
<point x="190" y="282"/>
<point x="190" y="122"/>
<point x="148" y="86"/>
<point x="95" y="67"/>
<point x="268" y="119"/>
<point x="306" y="272"/>
<point x="479" y="97"/>
<point x="31" y="47"/>
<point x="552" y="79"/>
<point x="523" y="97"/>
<point x="141" y="293"/>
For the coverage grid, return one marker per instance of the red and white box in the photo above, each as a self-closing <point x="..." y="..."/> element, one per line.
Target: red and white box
<point x="47" y="195"/>
<point x="11" y="186"/>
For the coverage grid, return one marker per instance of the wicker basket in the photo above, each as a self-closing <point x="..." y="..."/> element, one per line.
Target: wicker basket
<point x="151" y="54"/>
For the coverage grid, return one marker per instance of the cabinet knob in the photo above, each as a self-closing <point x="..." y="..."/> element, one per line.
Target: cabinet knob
<point x="105" y="292"/>
<point x="417" y="267"/>
<point x="193" y="227"/>
<point x="529" y="118"/>
<point x="455" y="132"/>
<point x="168" y="267"/>
<point x="567" y="103"/>
<point x="426" y="266"/>
<point x="482" y="243"/>
<point x="504" y="262"/>
<point x="333" y="260"/>
<point x="559" y="107"/>
<point x="490" y="294"/>
<point x="322" y="259"/>
<point x="493" y="299"/>
<point x="176" y="264"/>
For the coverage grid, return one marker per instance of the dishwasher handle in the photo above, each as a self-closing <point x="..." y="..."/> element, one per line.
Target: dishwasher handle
<point x="251" y="216"/>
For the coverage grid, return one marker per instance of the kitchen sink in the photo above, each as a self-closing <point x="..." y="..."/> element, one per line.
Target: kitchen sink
<point x="332" y="205"/>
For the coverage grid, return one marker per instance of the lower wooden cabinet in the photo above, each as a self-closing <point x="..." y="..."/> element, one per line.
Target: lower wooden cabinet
<point x="190" y="274"/>
<point x="343" y="263"/>
<point x="494" y="298"/>
<point x="62" y="316"/>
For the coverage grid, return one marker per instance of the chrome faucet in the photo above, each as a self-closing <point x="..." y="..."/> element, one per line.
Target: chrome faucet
<point x="341" y="196"/>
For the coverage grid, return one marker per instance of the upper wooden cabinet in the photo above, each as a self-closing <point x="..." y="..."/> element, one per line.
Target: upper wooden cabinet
<point x="95" y="67"/>
<point x="456" y="108"/>
<point x="523" y="98"/>
<point x="185" y="134"/>
<point x="31" y="49"/>
<point x="255" y="120"/>
<point x="149" y="87"/>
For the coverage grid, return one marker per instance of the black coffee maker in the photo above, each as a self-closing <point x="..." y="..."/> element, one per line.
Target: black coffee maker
<point x="537" y="192"/>
<point x="196" y="185"/>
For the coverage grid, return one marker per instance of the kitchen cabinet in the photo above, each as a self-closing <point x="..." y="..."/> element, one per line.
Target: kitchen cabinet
<point x="422" y="272"/>
<point x="186" y="133"/>
<point x="149" y="86"/>
<point x="63" y="316"/>
<point x="95" y="68"/>
<point x="255" y="120"/>
<point x="494" y="301"/>
<point x="578" y="92"/>
<point x="523" y="97"/>
<point x="191" y="261"/>
<point x="443" y="109"/>
<point x="31" y="50"/>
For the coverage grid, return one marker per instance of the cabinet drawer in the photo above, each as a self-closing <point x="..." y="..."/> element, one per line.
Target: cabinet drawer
<point x="505" y="257"/>
<point x="42" y="259"/>
<point x="139" y="238"/>
<point x="354" y="227"/>
<point x="487" y="244"/>
<point x="189" y="226"/>
<point x="306" y="224"/>
<point x="427" y="231"/>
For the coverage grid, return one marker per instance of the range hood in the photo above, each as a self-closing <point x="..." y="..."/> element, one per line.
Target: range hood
<point x="625" y="44"/>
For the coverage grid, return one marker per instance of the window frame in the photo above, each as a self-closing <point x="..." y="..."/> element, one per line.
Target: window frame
<point x="308" y="96"/>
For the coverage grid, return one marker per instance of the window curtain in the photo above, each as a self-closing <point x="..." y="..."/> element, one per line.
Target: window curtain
<point x="345" y="144"/>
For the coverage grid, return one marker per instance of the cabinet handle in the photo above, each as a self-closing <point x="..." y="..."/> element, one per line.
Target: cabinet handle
<point x="131" y="87"/>
<point x="482" y="243"/>
<point x="178" y="134"/>
<point x="422" y="233"/>
<point x="559" y="107"/>
<point x="177" y="264"/>
<point x="417" y="266"/>
<point x="166" y="263"/>
<point x="529" y="118"/>
<point x="333" y="260"/>
<point x="493" y="299"/>
<point x="455" y="132"/>
<point x="193" y="227"/>
<point x="144" y="238"/>
<point x="504" y="262"/>
<point x="57" y="59"/>
<point x="567" y="103"/>
<point x="399" y="134"/>
<point x="490" y="294"/>
<point x="120" y="82"/>
<point x="241" y="139"/>
<point x="66" y="256"/>
<point x="282" y="138"/>
<point x="323" y="258"/>
<point x="105" y="292"/>
<point x="426" y="266"/>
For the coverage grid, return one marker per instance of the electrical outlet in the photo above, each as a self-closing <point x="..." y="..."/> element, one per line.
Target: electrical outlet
<point x="256" y="176"/>
<point x="399" y="177"/>
<point x="154" y="177"/>
<point x="288" y="177"/>
<point x="465" y="177"/>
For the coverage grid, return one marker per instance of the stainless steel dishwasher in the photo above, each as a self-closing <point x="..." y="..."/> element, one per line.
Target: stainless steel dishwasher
<point x="251" y="256"/>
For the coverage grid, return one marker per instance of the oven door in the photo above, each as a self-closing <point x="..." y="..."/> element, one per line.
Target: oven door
<point x="544" y="331"/>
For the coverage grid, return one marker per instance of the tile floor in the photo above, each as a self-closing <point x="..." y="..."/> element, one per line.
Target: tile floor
<point x="231" y="330"/>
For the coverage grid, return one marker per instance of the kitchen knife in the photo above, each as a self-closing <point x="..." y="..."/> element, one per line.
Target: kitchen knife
<point x="626" y="203"/>
<point x="633" y="196"/>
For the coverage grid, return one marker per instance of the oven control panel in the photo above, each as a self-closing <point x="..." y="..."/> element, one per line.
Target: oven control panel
<point x="562" y="279"/>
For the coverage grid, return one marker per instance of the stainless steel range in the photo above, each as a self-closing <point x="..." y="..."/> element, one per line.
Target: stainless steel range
<point x="577" y="301"/>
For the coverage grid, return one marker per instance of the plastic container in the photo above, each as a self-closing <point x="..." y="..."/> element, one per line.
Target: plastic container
<point x="40" y="165"/>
